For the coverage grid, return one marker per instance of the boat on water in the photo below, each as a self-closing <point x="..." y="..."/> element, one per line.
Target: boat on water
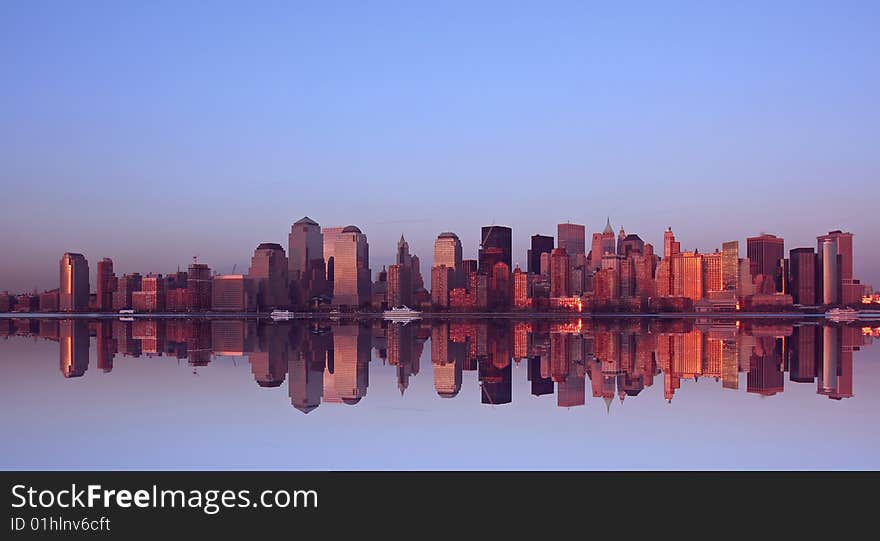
<point x="126" y="315"/>
<point x="842" y="314"/>
<point x="281" y="314"/>
<point x="402" y="314"/>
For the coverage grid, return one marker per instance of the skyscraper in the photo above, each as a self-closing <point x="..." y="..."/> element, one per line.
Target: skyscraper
<point x="849" y="290"/>
<point x="399" y="285"/>
<point x="441" y="285"/>
<point x="671" y="247"/>
<point x="306" y="267"/>
<point x="560" y="273"/>
<point x="541" y="244"/>
<point x="572" y="237"/>
<point x="447" y="251"/>
<point x="330" y="234"/>
<point x="603" y="243"/>
<point x="497" y="236"/>
<point x="74" y="283"/>
<point x="830" y="271"/>
<point x="730" y="265"/>
<point x="765" y="253"/>
<point x="269" y="272"/>
<point x="802" y="271"/>
<point x="198" y="287"/>
<point x="351" y="278"/>
<point x="106" y="284"/>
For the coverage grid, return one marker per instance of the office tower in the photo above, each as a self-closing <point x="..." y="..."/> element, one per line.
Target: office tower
<point x="644" y="265"/>
<point x="746" y="284"/>
<point x="198" y="287"/>
<point x="560" y="273"/>
<point x="713" y="279"/>
<point x="663" y="285"/>
<point x="671" y="247"/>
<point x="441" y="284"/>
<point x="399" y="285"/>
<point x="802" y="275"/>
<point x="447" y="252"/>
<point x="521" y="297"/>
<point x="306" y="373"/>
<point x="346" y="375"/>
<point x="126" y="286"/>
<point x="351" y="278"/>
<point x="630" y="245"/>
<point x="330" y="235"/>
<point x="106" y="284"/>
<point x="73" y="346"/>
<point x="730" y="265"/>
<point x="545" y="265"/>
<point x="572" y="237"/>
<point x="497" y="236"/>
<point x="541" y="244"/>
<point x="765" y="252"/>
<point x="469" y="267"/>
<point x="849" y="290"/>
<point x="233" y="293"/>
<point x="603" y="243"/>
<point x="74" y="283"/>
<point x="269" y="358"/>
<point x="687" y="270"/>
<point x="447" y="371"/>
<point x="268" y="270"/>
<point x="830" y="271"/>
<point x="306" y="267"/>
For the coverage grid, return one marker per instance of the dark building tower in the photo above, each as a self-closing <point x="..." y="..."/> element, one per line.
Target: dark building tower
<point x="630" y="245"/>
<point x="765" y="254"/>
<point x="106" y="285"/>
<point x="541" y="244"/>
<point x="497" y="236"/>
<point x="74" y="347"/>
<point x="198" y="287"/>
<point x="837" y="271"/>
<point x="269" y="274"/>
<point x="73" y="295"/>
<point x="572" y="237"/>
<point x="802" y="269"/>
<point x="305" y="250"/>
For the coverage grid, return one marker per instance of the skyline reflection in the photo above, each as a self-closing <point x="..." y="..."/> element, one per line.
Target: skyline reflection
<point x="580" y="361"/>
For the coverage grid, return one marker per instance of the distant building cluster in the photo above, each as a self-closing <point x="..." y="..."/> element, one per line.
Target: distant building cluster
<point x="327" y="268"/>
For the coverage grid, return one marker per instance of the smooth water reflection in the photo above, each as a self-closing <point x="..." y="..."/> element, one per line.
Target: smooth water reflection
<point x="630" y="393"/>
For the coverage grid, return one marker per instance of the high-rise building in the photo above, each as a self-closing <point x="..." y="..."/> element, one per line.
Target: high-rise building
<point x="447" y="252"/>
<point x="603" y="243"/>
<point x="765" y="253"/>
<point x="351" y="278"/>
<point x="305" y="252"/>
<point x="74" y="283"/>
<point x="198" y="287"/>
<point x="126" y="286"/>
<point x="399" y="285"/>
<point x="849" y="290"/>
<point x="330" y="235"/>
<point x="713" y="279"/>
<point x="630" y="245"/>
<point x="106" y="284"/>
<point x="441" y="284"/>
<point x="469" y="266"/>
<point x="151" y="297"/>
<point x="560" y="273"/>
<point x="802" y="275"/>
<point x="572" y="237"/>
<point x="233" y="293"/>
<point x="269" y="272"/>
<point x="671" y="247"/>
<point x="74" y="346"/>
<point x="541" y="244"/>
<point x="521" y="297"/>
<point x="497" y="236"/>
<point x="830" y="272"/>
<point x="687" y="270"/>
<point x="730" y="265"/>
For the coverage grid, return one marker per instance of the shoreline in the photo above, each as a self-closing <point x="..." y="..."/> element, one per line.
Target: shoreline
<point x="423" y="315"/>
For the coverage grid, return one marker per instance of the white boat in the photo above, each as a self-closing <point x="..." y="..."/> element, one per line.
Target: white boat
<point x="126" y="311"/>
<point x="402" y="314"/>
<point x="281" y="314"/>
<point x="842" y="314"/>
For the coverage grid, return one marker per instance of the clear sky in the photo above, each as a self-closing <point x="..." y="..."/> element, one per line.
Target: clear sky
<point x="150" y="132"/>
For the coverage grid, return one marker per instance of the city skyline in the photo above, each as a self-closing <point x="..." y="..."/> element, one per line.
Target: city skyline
<point x="127" y="134"/>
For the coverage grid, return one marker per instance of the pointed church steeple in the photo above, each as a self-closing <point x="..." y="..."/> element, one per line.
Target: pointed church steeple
<point x="608" y="229"/>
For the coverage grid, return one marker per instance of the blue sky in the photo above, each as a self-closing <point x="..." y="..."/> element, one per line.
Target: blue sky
<point x="152" y="132"/>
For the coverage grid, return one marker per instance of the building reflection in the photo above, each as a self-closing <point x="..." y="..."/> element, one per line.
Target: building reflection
<point x="581" y="362"/>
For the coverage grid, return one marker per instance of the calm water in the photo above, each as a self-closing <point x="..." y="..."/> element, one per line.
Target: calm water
<point x="484" y="394"/>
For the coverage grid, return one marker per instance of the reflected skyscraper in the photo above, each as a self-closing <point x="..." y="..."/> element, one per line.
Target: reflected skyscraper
<point x="74" y="347"/>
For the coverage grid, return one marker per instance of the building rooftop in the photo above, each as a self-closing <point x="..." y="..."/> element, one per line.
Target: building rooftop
<point x="447" y="235"/>
<point x="305" y="220"/>
<point x="269" y="246"/>
<point x="351" y="229"/>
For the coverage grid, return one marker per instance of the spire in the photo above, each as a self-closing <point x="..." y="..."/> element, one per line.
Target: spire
<point x="608" y="228"/>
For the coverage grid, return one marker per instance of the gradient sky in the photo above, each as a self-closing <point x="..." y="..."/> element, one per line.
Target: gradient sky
<point x="152" y="132"/>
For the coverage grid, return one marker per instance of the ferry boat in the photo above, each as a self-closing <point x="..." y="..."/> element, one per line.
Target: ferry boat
<point x="402" y="314"/>
<point x="126" y="315"/>
<point x="281" y="314"/>
<point x="842" y="314"/>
